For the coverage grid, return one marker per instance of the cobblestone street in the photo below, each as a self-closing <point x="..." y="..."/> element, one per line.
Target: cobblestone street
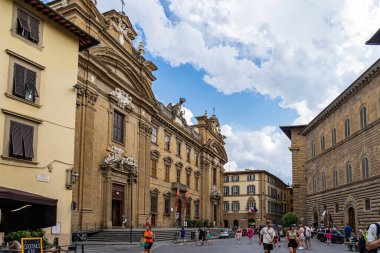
<point x="218" y="246"/>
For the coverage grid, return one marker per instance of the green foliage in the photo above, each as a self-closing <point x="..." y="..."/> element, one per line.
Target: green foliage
<point x="205" y="223"/>
<point x="290" y="218"/>
<point x="25" y="234"/>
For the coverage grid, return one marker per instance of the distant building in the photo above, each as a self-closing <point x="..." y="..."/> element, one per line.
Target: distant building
<point x="251" y="197"/>
<point x="336" y="164"/>
<point x="39" y="66"/>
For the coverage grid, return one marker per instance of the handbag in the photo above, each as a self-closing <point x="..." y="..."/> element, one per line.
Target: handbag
<point x="142" y="242"/>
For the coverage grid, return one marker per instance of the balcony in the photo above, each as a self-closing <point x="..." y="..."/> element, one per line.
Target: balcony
<point x="182" y="187"/>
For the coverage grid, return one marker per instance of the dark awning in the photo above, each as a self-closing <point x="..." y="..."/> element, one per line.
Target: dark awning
<point x="23" y="210"/>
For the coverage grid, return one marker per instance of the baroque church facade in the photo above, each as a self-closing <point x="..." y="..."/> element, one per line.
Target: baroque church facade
<point x="137" y="158"/>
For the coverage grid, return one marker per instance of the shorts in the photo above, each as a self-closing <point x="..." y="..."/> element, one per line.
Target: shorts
<point x="268" y="246"/>
<point x="307" y="238"/>
<point x="148" y="245"/>
<point x="292" y="244"/>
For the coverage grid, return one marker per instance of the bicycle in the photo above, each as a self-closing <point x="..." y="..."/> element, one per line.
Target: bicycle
<point x="175" y="237"/>
<point x="79" y="236"/>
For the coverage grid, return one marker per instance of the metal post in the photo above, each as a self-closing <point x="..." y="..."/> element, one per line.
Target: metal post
<point x="131" y="210"/>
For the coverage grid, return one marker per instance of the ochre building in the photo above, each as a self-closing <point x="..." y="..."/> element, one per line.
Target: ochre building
<point x="251" y="197"/>
<point x="138" y="159"/>
<point x="39" y="66"/>
<point x="336" y="159"/>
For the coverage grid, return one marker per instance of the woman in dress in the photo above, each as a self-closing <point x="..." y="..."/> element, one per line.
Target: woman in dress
<point x="291" y="239"/>
<point x="239" y="234"/>
<point x="276" y="237"/>
<point x="328" y="235"/>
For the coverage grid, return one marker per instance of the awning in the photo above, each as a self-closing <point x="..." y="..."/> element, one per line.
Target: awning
<point x="23" y="210"/>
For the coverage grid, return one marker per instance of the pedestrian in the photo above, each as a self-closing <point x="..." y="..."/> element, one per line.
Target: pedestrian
<point x="238" y="234"/>
<point x="149" y="238"/>
<point x="307" y="237"/>
<point x="328" y="235"/>
<point x="301" y="233"/>
<point x="361" y="242"/>
<point x="147" y="222"/>
<point x="196" y="239"/>
<point x="250" y="234"/>
<point x="209" y="241"/>
<point x="312" y="232"/>
<point x="200" y="236"/>
<point x="183" y="235"/>
<point x="291" y="239"/>
<point x="347" y="232"/>
<point x="267" y="235"/>
<point x="373" y="240"/>
<point x="276" y="237"/>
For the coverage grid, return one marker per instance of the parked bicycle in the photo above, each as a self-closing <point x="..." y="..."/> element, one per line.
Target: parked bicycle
<point x="175" y="237"/>
<point x="79" y="236"/>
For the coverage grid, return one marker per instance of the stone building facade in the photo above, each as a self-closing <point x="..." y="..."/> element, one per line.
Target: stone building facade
<point x="136" y="157"/>
<point x="39" y="63"/>
<point x="341" y="160"/>
<point x="250" y="197"/>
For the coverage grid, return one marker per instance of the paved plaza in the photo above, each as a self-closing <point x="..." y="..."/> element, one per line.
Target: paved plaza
<point x="218" y="246"/>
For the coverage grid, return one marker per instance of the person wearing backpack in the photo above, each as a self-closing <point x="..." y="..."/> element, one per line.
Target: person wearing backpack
<point x="372" y="241"/>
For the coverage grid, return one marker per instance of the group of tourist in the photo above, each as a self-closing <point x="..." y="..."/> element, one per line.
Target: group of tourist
<point x="202" y="236"/>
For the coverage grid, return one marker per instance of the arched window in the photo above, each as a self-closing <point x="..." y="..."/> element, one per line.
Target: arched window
<point x="348" y="173"/>
<point x="313" y="152"/>
<point x="324" y="183"/>
<point x="347" y="127"/>
<point x="314" y="184"/>
<point x="335" y="178"/>
<point x="363" y="117"/>
<point x="365" y="167"/>
<point x="235" y="190"/>
<point x="333" y="136"/>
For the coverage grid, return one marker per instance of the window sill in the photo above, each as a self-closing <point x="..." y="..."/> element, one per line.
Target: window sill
<point x="167" y="214"/>
<point x="4" y="157"/>
<point x="22" y="100"/>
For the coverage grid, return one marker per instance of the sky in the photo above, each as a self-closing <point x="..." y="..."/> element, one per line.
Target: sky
<point x="256" y="64"/>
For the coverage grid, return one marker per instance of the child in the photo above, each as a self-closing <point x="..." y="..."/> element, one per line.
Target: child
<point x="209" y="241"/>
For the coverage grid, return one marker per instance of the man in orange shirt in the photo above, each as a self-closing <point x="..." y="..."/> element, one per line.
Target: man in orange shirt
<point x="149" y="238"/>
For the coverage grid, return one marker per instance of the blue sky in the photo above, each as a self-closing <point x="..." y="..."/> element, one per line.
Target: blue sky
<point x="260" y="64"/>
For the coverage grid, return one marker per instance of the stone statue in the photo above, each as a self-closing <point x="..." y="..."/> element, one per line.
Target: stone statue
<point x="176" y="110"/>
<point x="123" y="99"/>
<point x="123" y="30"/>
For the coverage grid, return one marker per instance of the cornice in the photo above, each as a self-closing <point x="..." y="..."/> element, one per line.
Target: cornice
<point x="366" y="78"/>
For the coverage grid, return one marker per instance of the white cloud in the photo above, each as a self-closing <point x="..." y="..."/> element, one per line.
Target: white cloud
<point x="188" y="115"/>
<point x="265" y="149"/>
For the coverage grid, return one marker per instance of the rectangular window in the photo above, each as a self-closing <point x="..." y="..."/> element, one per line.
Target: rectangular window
<point x="188" y="180"/>
<point x="226" y="179"/>
<point x="178" y="176"/>
<point x="24" y="83"/>
<point x="196" y="210"/>
<point x="226" y="190"/>
<point x="28" y="26"/>
<point x="153" y="203"/>
<point x="333" y="136"/>
<point x="167" y="175"/>
<point x="118" y="127"/>
<point x="154" y="135"/>
<point x="336" y="208"/>
<point x="235" y="179"/>
<point x="214" y="176"/>
<point x="251" y="177"/>
<point x="188" y="210"/>
<point x="322" y="143"/>
<point x="154" y="168"/>
<point x="235" y="206"/>
<point x="178" y="148"/>
<point x="313" y="151"/>
<point x="226" y="206"/>
<point x="197" y="183"/>
<point x="367" y="204"/>
<point x="196" y="158"/>
<point x="250" y="189"/>
<point x="188" y="153"/>
<point x="167" y="142"/>
<point x="167" y="206"/>
<point x="235" y="190"/>
<point x="347" y="128"/>
<point x="21" y="141"/>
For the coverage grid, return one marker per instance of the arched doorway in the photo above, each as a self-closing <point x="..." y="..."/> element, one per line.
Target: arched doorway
<point x="236" y="223"/>
<point x="226" y="223"/>
<point x="351" y="218"/>
<point x="315" y="219"/>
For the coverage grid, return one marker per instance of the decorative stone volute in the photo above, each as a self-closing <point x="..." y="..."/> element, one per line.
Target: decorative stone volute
<point x="215" y="194"/>
<point x="117" y="160"/>
<point x="123" y="99"/>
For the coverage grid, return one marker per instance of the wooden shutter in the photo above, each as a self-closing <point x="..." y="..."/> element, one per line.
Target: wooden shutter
<point x="31" y="77"/>
<point x="22" y="18"/>
<point x="16" y="139"/>
<point x="27" y="139"/>
<point x="34" y="28"/>
<point x="19" y="80"/>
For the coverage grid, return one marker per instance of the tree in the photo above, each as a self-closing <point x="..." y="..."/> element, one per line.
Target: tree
<point x="290" y="218"/>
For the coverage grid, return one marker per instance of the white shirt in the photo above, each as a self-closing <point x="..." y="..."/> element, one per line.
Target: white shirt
<point x="267" y="234"/>
<point x="372" y="234"/>
<point x="301" y="231"/>
<point x="307" y="231"/>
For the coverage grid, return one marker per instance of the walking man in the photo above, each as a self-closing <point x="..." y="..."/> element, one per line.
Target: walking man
<point x="267" y="237"/>
<point x="183" y="235"/>
<point x="347" y="232"/>
<point x="307" y="237"/>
